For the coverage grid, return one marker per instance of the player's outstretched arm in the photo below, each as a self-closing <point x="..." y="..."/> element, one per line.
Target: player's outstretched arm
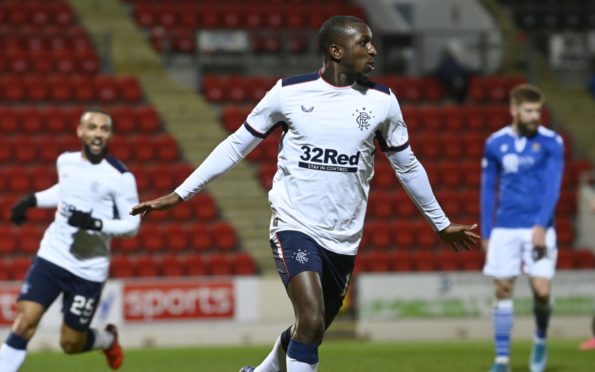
<point x="159" y="204"/>
<point x="460" y="236"/>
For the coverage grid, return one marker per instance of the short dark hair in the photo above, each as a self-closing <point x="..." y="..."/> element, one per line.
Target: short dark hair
<point x="97" y="110"/>
<point x="526" y="93"/>
<point x="334" y="28"/>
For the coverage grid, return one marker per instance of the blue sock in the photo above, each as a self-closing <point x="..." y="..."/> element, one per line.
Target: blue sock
<point x="305" y="353"/>
<point x="503" y="319"/>
<point x="542" y="319"/>
<point x="286" y="338"/>
<point x="16" y="342"/>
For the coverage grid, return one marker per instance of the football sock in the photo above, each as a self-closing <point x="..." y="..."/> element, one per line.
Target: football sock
<point x="275" y="361"/>
<point x="12" y="353"/>
<point x="542" y="319"/>
<point x="302" y="357"/>
<point x="99" y="339"/>
<point x="503" y="319"/>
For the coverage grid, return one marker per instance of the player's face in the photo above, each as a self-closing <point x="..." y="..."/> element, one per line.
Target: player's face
<point x="95" y="132"/>
<point x="359" y="52"/>
<point x="527" y="117"/>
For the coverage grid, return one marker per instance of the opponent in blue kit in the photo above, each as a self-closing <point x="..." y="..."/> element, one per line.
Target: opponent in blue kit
<point x="330" y="121"/>
<point x="522" y="174"/>
<point x="93" y="196"/>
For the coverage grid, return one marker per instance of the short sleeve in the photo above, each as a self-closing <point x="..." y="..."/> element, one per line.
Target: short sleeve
<point x="267" y="113"/>
<point x="393" y="135"/>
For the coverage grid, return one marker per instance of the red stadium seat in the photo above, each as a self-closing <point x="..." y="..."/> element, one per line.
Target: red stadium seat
<point x="377" y="262"/>
<point x="195" y="265"/>
<point x="219" y="264"/>
<point x="223" y="236"/>
<point x="8" y="241"/>
<point x="380" y="234"/>
<point x="400" y="261"/>
<point x="243" y="264"/>
<point x="147" y="266"/>
<point x="424" y="261"/>
<point x="148" y="119"/>
<point x="152" y="237"/>
<point x="200" y="238"/>
<point x="130" y="89"/>
<point x="205" y="208"/>
<point x="177" y="237"/>
<point x="172" y="265"/>
<point x="380" y="205"/>
<point x="18" y="268"/>
<point x="471" y="260"/>
<point x="121" y="267"/>
<point x="448" y="260"/>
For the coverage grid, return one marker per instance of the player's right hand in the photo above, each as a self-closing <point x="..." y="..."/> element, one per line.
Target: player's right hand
<point x="159" y="204"/>
<point x="18" y="213"/>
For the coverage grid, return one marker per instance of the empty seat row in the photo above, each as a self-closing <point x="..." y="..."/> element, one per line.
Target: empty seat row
<point x="44" y="62"/>
<point x="39" y="13"/>
<point x="445" y="260"/>
<point x="417" y="234"/>
<point x="399" y="261"/>
<point x="238" y="16"/>
<point x="236" y="263"/>
<point x="184" y="41"/>
<point x="32" y="120"/>
<point x="39" y="40"/>
<point x="177" y="266"/>
<point x="79" y="88"/>
<point x="236" y="88"/>
<point x="492" y="88"/>
<point x="26" y="150"/>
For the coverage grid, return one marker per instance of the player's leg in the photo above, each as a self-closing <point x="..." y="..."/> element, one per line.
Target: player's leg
<point x="503" y="260"/>
<point x="14" y="349"/>
<point x="590" y="343"/>
<point x="81" y="299"/>
<point x="295" y="254"/>
<point x="541" y="271"/>
<point x="39" y="290"/>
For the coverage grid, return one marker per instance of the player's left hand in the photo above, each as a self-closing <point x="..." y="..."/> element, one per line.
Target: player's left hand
<point x="83" y="220"/>
<point x="460" y="236"/>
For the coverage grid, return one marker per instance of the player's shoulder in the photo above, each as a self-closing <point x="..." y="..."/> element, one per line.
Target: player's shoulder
<point x="69" y="156"/>
<point x="372" y="85"/>
<point x="116" y="164"/>
<point x="300" y="79"/>
<point x="500" y="135"/>
<point x="550" y="135"/>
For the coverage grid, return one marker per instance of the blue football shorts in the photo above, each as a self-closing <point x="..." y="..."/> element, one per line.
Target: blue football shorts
<point x="296" y="252"/>
<point x="45" y="281"/>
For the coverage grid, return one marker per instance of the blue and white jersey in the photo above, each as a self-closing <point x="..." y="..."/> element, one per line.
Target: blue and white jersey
<point x="521" y="179"/>
<point x="326" y="155"/>
<point x="108" y="191"/>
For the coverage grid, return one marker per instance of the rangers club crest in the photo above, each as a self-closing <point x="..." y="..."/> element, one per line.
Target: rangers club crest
<point x="362" y="118"/>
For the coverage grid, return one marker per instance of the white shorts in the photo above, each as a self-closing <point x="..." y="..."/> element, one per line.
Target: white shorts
<point x="510" y="252"/>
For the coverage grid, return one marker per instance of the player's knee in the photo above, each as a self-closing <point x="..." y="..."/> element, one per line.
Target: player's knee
<point x="71" y="345"/>
<point x="24" y="326"/>
<point x="311" y="326"/>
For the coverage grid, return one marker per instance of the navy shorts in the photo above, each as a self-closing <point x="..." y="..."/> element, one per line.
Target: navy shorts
<point x="44" y="283"/>
<point x="296" y="252"/>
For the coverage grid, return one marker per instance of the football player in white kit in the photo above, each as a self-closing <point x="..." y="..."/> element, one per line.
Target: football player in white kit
<point x="93" y="196"/>
<point x="330" y="120"/>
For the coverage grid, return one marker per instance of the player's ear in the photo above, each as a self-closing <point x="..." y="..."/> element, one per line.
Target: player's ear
<point x="335" y="52"/>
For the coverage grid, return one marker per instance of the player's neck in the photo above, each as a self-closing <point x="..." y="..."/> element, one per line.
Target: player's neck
<point x="333" y="76"/>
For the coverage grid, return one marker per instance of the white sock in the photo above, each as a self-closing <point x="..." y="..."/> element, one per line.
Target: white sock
<point x="103" y="339"/>
<point x="297" y="366"/>
<point x="275" y="361"/>
<point x="11" y="359"/>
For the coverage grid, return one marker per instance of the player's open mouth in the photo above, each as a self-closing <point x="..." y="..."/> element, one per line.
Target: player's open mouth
<point x="96" y="146"/>
<point x="371" y="65"/>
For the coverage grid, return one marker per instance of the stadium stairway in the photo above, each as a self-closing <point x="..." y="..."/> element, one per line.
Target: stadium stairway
<point x="187" y="117"/>
<point x="573" y="106"/>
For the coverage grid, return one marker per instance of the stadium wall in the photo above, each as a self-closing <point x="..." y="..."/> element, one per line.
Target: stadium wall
<point x="254" y="310"/>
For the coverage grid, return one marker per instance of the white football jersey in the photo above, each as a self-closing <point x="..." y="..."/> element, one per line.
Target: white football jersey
<point x="326" y="155"/>
<point x="108" y="191"/>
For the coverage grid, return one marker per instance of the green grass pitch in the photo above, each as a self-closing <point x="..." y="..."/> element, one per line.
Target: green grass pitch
<point x="339" y="356"/>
